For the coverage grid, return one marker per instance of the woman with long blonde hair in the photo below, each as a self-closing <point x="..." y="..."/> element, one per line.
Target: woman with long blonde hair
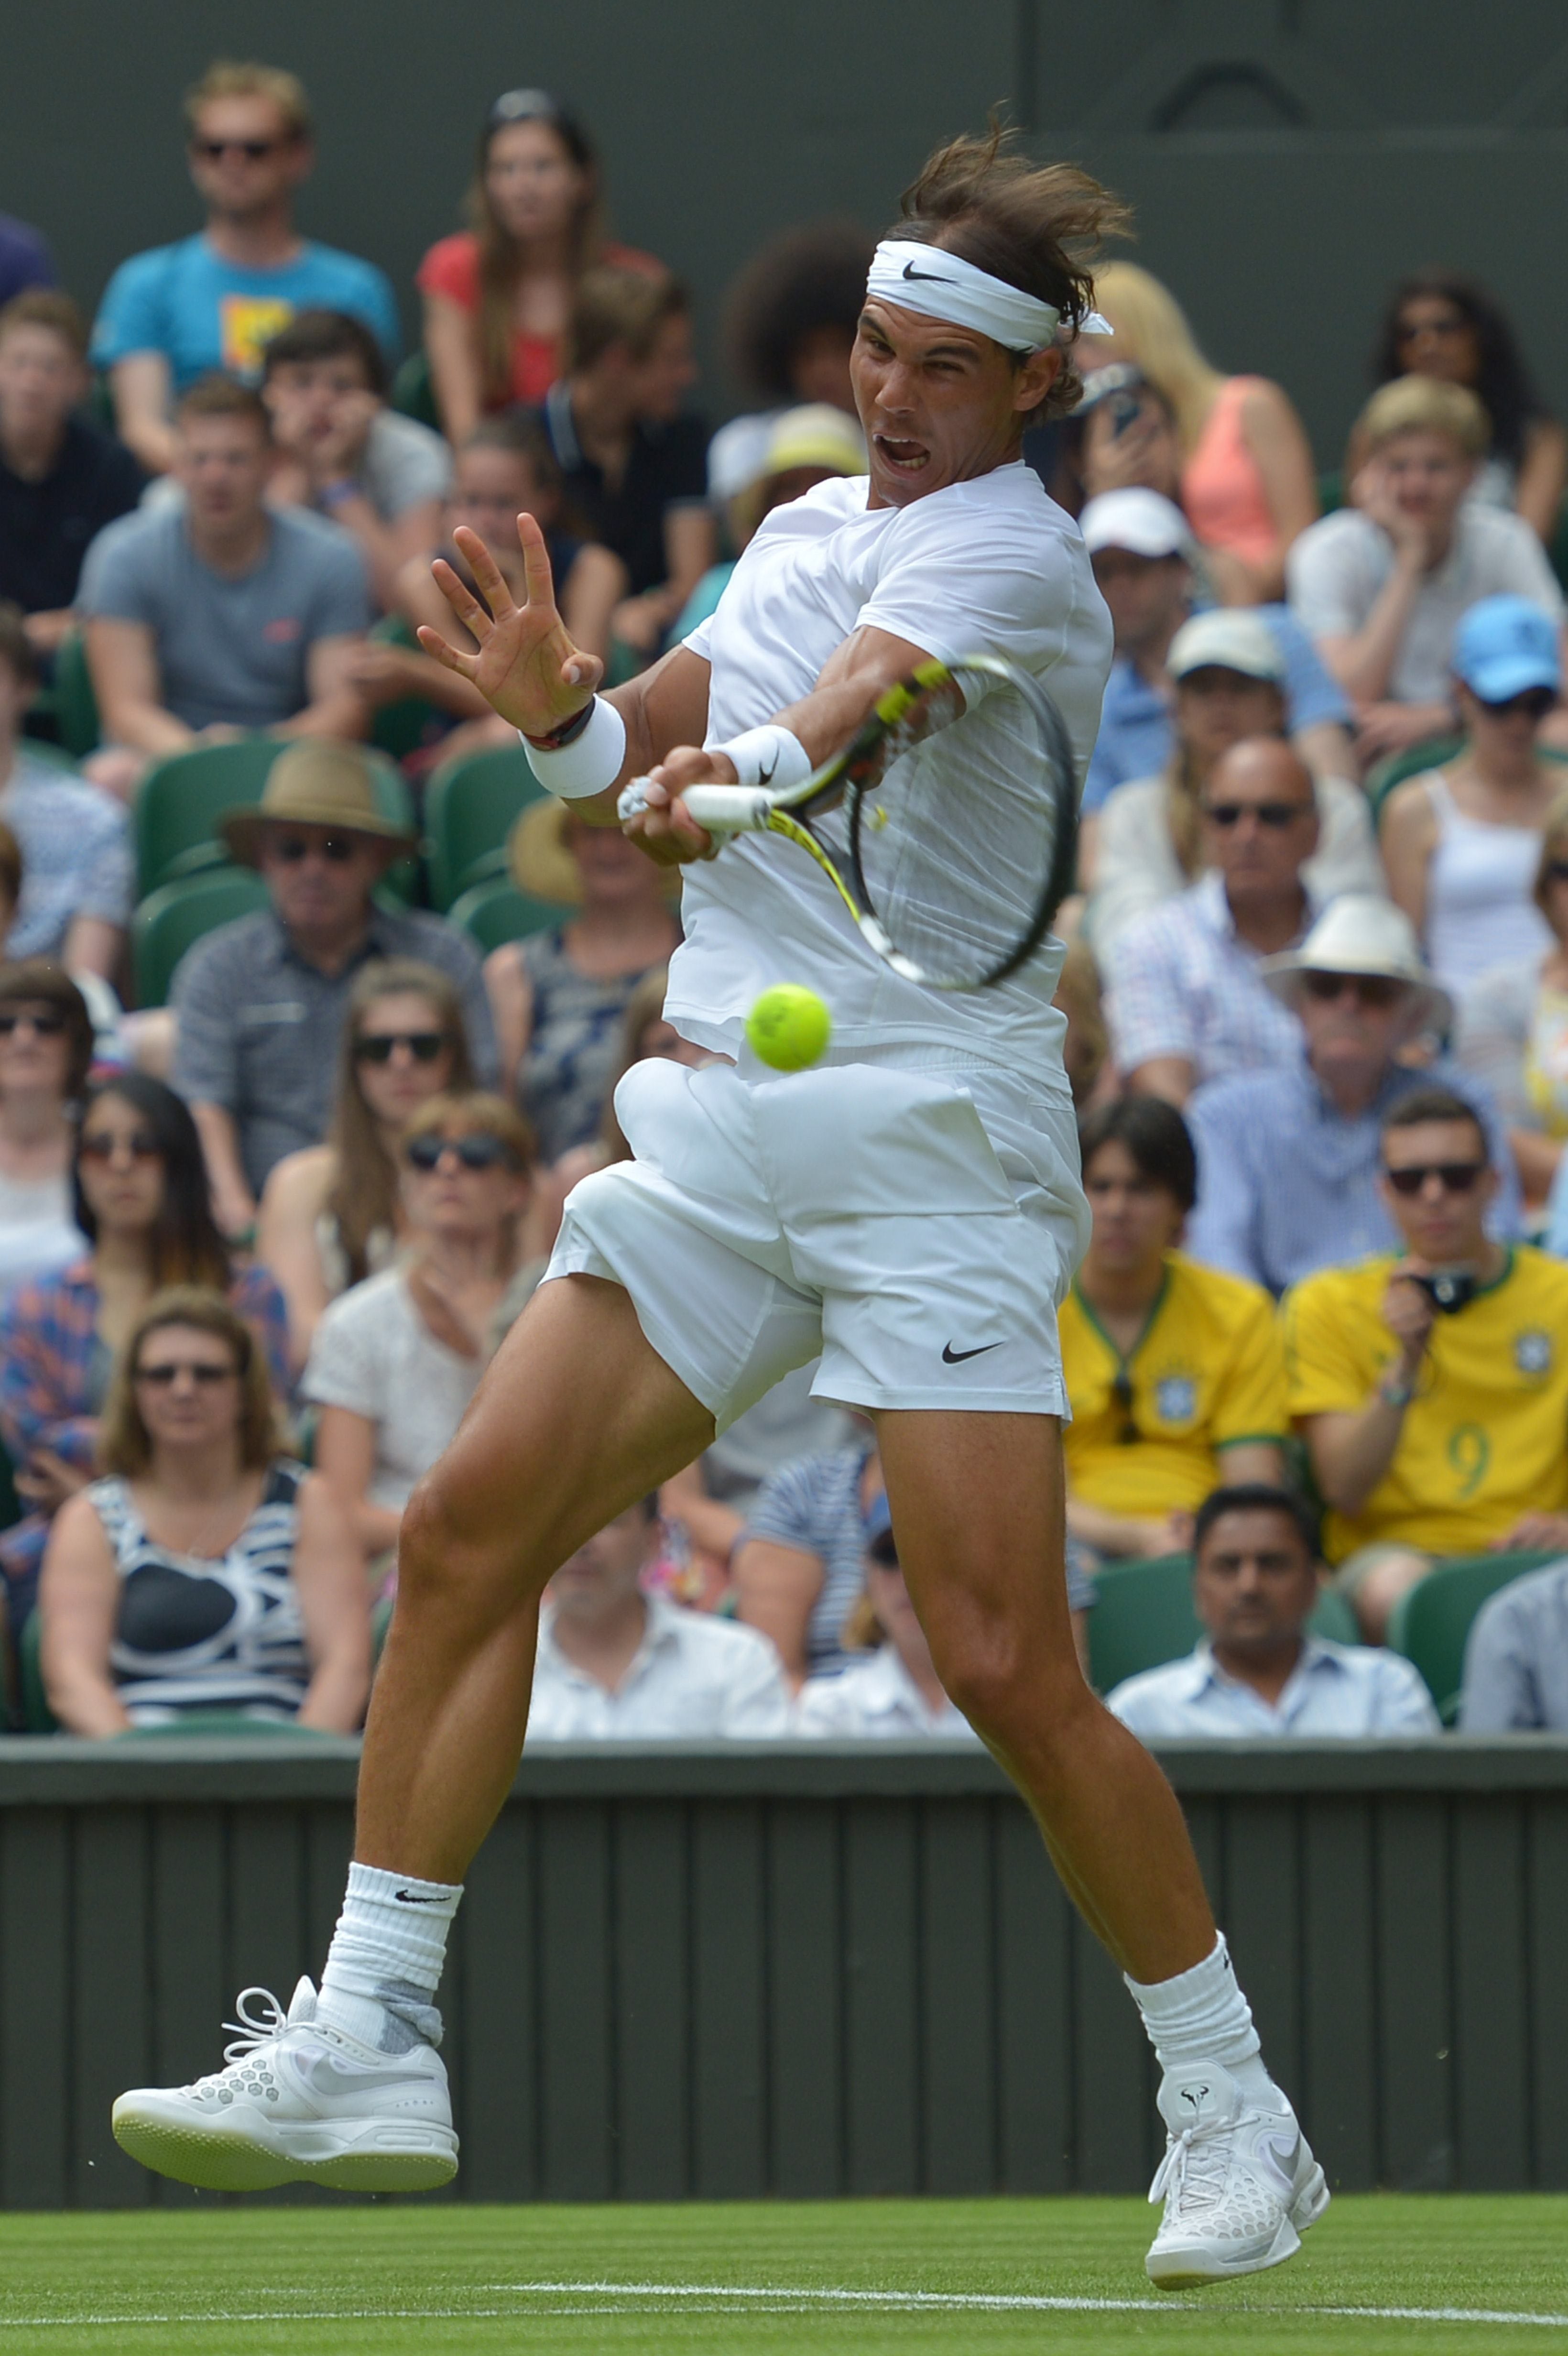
<point x="499" y="294"/>
<point x="1247" y="481"/>
<point x="333" y="1215"/>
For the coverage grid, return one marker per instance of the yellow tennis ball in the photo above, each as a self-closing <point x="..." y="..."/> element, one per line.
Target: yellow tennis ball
<point x="789" y="1027"/>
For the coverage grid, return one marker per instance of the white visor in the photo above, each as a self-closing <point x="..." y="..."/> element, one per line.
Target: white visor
<point x="943" y="285"/>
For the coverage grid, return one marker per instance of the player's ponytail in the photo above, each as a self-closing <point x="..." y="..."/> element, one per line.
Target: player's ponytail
<point x="1040" y="227"/>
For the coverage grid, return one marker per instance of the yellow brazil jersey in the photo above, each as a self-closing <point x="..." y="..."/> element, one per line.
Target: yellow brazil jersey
<point x="1486" y="1436"/>
<point x="1206" y="1372"/>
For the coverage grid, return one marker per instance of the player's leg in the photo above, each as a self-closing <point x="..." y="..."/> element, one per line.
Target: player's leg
<point x="976" y="1503"/>
<point x="577" y="1417"/>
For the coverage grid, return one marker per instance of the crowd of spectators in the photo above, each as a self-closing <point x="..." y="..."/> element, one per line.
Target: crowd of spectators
<point x="258" y="1244"/>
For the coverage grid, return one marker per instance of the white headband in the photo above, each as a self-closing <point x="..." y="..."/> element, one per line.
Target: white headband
<point x="943" y="285"/>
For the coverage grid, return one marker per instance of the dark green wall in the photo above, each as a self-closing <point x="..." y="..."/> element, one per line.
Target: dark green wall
<point x="1286" y="158"/>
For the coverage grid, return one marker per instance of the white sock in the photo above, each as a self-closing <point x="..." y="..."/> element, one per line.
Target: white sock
<point x="385" y="1962"/>
<point x="1200" y="2016"/>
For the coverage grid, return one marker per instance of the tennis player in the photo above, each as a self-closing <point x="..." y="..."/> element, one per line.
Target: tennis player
<point x="910" y="1209"/>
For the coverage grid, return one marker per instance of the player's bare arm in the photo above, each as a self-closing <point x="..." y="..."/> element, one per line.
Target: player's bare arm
<point x="528" y="670"/>
<point x="855" y="675"/>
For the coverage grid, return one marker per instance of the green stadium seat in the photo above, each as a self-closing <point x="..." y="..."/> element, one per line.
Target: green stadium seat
<point x="1384" y="775"/>
<point x="1430" y="1624"/>
<point x="1145" y="1618"/>
<point x="37" y="1717"/>
<point x="398" y="729"/>
<point x="182" y="800"/>
<point x="495" y="910"/>
<point x="413" y="394"/>
<point x="75" y="704"/>
<point x="53" y="757"/>
<point x="471" y="807"/>
<point x="1331" y="491"/>
<point x="177" y="915"/>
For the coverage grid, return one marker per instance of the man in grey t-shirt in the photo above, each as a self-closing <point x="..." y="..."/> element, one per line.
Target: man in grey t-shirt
<point x="1382" y="586"/>
<point x="217" y="616"/>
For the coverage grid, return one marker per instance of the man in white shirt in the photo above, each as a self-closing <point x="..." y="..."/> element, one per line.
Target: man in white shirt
<point x="617" y="1665"/>
<point x="1381" y="585"/>
<point x="1259" y="1670"/>
<point x="894" y="1694"/>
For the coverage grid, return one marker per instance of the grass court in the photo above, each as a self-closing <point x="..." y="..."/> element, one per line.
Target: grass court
<point x="1383" y="2275"/>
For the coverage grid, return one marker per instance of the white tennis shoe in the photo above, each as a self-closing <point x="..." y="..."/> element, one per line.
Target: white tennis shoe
<point x="297" y="2100"/>
<point x="1239" y="2183"/>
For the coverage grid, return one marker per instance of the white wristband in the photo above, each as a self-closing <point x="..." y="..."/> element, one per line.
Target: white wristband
<point x="768" y="755"/>
<point x="589" y="762"/>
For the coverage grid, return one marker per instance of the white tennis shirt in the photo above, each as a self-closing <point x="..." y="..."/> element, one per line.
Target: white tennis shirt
<point x="990" y="566"/>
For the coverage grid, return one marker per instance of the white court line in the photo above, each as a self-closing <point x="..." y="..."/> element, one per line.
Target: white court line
<point x="774" y="2298"/>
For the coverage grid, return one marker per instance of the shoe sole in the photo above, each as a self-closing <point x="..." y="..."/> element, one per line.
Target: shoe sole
<point x="1191" y="2268"/>
<point x="417" y="2160"/>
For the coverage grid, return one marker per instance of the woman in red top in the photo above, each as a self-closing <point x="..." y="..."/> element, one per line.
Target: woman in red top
<point x="497" y="296"/>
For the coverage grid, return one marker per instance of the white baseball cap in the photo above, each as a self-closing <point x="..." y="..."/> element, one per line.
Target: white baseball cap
<point x="1228" y="639"/>
<point x="1141" y="521"/>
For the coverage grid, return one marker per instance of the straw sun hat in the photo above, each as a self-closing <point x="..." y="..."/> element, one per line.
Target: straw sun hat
<point x="540" y="862"/>
<point x="314" y="782"/>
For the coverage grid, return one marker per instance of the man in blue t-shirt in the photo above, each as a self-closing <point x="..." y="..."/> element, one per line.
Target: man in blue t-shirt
<point x="1143" y="554"/>
<point x="214" y="615"/>
<point x="213" y="301"/>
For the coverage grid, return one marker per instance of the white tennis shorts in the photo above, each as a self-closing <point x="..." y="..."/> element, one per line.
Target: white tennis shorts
<point x="916" y="1229"/>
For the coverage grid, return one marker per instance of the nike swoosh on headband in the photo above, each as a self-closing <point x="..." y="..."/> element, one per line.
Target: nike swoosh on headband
<point x="931" y="277"/>
<point x="967" y="296"/>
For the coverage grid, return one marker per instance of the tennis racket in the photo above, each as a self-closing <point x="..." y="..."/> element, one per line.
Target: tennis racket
<point x="947" y="825"/>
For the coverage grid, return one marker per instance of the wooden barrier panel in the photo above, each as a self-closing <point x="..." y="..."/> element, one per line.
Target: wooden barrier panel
<point x="805" y="1969"/>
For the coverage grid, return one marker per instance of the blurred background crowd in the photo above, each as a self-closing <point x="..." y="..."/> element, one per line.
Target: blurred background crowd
<point x="313" y="1007"/>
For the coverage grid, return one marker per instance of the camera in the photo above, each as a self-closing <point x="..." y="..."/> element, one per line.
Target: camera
<point x="1448" y="1289"/>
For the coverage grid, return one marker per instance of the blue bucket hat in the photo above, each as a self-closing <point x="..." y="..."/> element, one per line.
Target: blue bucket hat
<point x="1505" y="645"/>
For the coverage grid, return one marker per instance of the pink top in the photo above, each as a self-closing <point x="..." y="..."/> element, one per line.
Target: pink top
<point x="1221" y="487"/>
<point x="452" y="268"/>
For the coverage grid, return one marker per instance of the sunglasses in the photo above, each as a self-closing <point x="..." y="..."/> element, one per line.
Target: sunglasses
<point x="377" y="1046"/>
<point x="1121" y="1392"/>
<point x="50" y="1024"/>
<point x="477" y="1151"/>
<point x="292" y="848"/>
<point x="200" y="1370"/>
<point x="141" y="1147"/>
<point x="253" y="150"/>
<point x="1453" y="1177"/>
<point x="1279" y="815"/>
<point x="1370" y="988"/>
<point x="1535" y="702"/>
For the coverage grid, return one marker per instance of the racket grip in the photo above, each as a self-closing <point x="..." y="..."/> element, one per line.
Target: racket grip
<point x="730" y="809"/>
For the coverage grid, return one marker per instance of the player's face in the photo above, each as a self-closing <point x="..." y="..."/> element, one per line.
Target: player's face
<point x="223" y="464"/>
<point x="533" y="187"/>
<point x="939" y="404"/>
<point x="1137" y="1220"/>
<point x="244" y="158"/>
<point x="603" y="1574"/>
<point x="1146" y="595"/>
<point x="1255" y="1584"/>
<point x="1444" y="1222"/>
<point x="41" y="380"/>
<point x="1427" y="473"/>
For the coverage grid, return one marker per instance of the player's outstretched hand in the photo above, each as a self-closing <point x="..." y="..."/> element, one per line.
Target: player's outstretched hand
<point x="666" y="829"/>
<point x="526" y="667"/>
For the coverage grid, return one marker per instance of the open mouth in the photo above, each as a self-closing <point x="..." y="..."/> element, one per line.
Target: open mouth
<point x="903" y="457"/>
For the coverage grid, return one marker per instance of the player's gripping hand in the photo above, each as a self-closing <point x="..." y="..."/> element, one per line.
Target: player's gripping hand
<point x="527" y="668"/>
<point x="666" y="829"/>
